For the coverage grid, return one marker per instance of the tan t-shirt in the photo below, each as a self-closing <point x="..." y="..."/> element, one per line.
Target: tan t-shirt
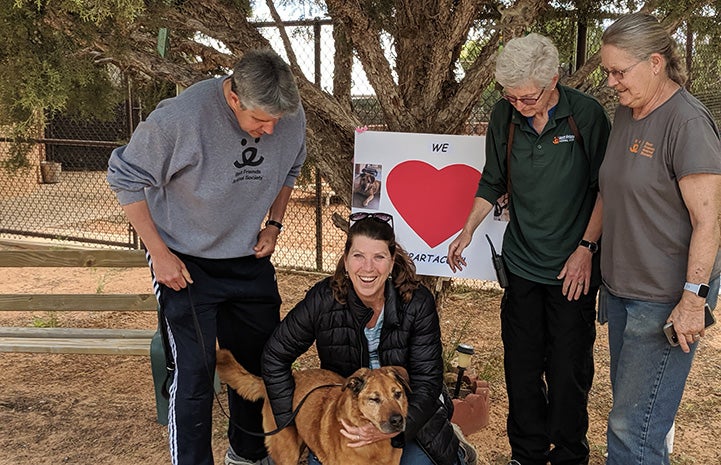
<point x="646" y="226"/>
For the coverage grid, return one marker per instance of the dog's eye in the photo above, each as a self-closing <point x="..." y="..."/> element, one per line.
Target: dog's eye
<point x="375" y="400"/>
<point x="398" y="394"/>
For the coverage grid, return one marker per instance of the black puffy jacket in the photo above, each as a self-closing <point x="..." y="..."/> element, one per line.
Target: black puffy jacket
<point x="410" y="337"/>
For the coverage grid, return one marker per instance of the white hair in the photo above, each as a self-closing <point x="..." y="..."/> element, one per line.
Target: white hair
<point x="532" y="59"/>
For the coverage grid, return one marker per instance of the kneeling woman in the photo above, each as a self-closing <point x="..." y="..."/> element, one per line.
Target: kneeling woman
<point x="372" y="312"/>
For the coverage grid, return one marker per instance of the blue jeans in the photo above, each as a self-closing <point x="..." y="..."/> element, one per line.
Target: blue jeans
<point x="648" y="377"/>
<point x="412" y="455"/>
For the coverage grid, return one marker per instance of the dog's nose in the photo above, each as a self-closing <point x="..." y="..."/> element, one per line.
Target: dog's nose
<point x="396" y="420"/>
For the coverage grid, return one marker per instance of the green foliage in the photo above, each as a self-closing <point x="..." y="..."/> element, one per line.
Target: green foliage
<point x="562" y="32"/>
<point x="50" y="320"/>
<point x="382" y="13"/>
<point x="682" y="459"/>
<point x="449" y="350"/>
<point x="19" y="148"/>
<point x="706" y="60"/>
<point x="149" y="93"/>
<point x="469" y="53"/>
<point x="100" y="286"/>
<point x="490" y="367"/>
<point x="18" y="157"/>
<point x="96" y="11"/>
<point x="46" y="61"/>
<point x="43" y="69"/>
<point x="94" y="94"/>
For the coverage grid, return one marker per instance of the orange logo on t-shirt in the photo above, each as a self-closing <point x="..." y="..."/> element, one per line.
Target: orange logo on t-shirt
<point x="645" y="148"/>
<point x="634" y="147"/>
<point x="555" y="140"/>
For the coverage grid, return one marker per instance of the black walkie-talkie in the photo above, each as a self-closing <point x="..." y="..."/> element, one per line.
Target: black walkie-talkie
<point x="498" y="265"/>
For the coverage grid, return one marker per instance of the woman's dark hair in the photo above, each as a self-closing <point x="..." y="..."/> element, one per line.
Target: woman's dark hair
<point x="403" y="273"/>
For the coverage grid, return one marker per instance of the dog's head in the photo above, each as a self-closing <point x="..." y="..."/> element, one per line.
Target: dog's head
<point x="381" y="396"/>
<point x="365" y="182"/>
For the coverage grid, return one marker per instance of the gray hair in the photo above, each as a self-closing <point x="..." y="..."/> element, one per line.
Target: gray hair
<point x="262" y="80"/>
<point x="641" y="35"/>
<point x="525" y="60"/>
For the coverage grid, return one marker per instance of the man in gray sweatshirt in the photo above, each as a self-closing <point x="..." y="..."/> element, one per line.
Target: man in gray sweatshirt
<point x="196" y="181"/>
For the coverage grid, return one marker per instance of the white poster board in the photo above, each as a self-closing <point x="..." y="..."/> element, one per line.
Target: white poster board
<point x="428" y="183"/>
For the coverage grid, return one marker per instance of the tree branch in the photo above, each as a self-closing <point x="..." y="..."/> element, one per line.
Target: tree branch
<point x="456" y="21"/>
<point x="284" y="37"/>
<point x="452" y="116"/>
<point x="366" y="38"/>
<point x="670" y="23"/>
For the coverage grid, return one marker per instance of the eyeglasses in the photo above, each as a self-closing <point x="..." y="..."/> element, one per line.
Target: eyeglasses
<point x="382" y="217"/>
<point x="618" y="74"/>
<point x="524" y="100"/>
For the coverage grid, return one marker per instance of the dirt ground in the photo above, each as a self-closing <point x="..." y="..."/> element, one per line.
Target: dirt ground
<point x="81" y="409"/>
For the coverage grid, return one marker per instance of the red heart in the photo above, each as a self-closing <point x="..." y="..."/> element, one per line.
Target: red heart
<point x="434" y="203"/>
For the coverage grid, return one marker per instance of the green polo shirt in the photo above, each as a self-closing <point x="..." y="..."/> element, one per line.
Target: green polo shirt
<point x="553" y="182"/>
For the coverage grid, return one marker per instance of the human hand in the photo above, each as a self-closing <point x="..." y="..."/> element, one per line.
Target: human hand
<point x="688" y="321"/>
<point x="363" y="435"/>
<point x="454" y="258"/>
<point x="267" y="238"/>
<point x="170" y="270"/>
<point x="576" y="274"/>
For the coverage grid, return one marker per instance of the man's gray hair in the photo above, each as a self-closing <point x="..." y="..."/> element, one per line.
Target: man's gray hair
<point x="532" y="59"/>
<point x="262" y="80"/>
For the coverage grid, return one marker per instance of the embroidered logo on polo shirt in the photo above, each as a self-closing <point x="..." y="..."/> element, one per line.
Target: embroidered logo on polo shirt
<point x="565" y="138"/>
<point x="642" y="147"/>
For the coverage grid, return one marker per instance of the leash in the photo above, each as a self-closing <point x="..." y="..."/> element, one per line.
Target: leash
<point x="201" y="341"/>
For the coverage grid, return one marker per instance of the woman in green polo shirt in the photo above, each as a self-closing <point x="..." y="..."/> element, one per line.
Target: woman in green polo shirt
<point x="544" y="146"/>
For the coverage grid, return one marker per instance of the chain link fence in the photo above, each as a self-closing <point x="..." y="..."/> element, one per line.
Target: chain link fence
<point x="61" y="193"/>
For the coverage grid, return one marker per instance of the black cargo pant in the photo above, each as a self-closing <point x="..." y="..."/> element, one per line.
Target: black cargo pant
<point x="548" y="360"/>
<point x="237" y="302"/>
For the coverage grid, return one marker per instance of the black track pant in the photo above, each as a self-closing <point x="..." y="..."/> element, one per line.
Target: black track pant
<point x="237" y="302"/>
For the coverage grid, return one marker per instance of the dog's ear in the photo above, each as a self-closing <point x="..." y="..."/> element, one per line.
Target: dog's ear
<point x="401" y="375"/>
<point x="355" y="384"/>
<point x="356" y="381"/>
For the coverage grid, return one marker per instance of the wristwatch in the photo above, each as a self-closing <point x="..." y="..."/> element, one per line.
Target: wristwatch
<point x="277" y="224"/>
<point x="700" y="290"/>
<point x="592" y="246"/>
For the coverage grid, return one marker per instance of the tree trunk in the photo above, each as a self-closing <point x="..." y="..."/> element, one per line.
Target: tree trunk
<point x="415" y="82"/>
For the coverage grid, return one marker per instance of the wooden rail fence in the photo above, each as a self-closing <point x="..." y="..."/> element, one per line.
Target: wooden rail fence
<point x="76" y="340"/>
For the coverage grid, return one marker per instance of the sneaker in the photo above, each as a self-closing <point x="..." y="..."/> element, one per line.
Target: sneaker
<point x="231" y="458"/>
<point x="470" y="456"/>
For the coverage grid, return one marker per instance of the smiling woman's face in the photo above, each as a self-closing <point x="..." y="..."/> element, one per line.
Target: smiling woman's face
<point x="369" y="263"/>
<point x="628" y="76"/>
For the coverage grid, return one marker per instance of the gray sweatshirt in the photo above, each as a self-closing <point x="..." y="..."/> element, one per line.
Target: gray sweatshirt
<point x="208" y="183"/>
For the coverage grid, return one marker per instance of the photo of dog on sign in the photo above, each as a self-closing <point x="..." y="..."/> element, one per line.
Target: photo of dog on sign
<point x="367" y="186"/>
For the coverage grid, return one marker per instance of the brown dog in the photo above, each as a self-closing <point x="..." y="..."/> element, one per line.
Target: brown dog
<point x="367" y="186"/>
<point x="375" y="396"/>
